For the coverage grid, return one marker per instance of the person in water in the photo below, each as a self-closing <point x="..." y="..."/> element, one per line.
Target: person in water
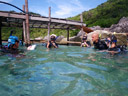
<point x="84" y="42"/>
<point x="13" y="43"/>
<point x="98" y="44"/>
<point x="52" y="42"/>
<point x="113" y="44"/>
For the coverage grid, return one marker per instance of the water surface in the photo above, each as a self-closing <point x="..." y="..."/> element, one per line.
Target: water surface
<point x="66" y="71"/>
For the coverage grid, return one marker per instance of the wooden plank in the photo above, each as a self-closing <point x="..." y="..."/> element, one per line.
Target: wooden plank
<point x="43" y="19"/>
<point x="49" y="24"/>
<point x="12" y="15"/>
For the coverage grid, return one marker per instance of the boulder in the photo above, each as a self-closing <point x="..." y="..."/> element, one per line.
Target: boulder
<point x="63" y="41"/>
<point x="121" y="27"/>
<point x="46" y="38"/>
<point x="39" y="38"/>
<point x="96" y="28"/>
<point x="121" y="38"/>
<point x="75" y="39"/>
<point x="59" y="38"/>
<point x="80" y="34"/>
<point x="104" y="34"/>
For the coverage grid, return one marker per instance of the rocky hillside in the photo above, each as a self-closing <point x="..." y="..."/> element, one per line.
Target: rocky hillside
<point x="105" y="14"/>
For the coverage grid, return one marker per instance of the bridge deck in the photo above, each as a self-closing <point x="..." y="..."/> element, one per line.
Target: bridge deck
<point x="16" y="20"/>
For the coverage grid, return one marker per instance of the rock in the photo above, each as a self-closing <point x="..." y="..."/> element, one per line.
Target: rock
<point x="80" y="34"/>
<point x="121" y="38"/>
<point x="75" y="39"/>
<point x="96" y="28"/>
<point x="104" y="34"/>
<point x="46" y="38"/>
<point x="121" y="27"/>
<point x="59" y="38"/>
<point x="63" y="41"/>
<point x="39" y="38"/>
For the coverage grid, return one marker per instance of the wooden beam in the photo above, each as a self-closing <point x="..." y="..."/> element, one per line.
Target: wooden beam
<point x="12" y="15"/>
<point x="27" y="23"/>
<point x="49" y="24"/>
<point x="24" y="28"/>
<point x="40" y="19"/>
<point x="81" y="17"/>
<point x="67" y="34"/>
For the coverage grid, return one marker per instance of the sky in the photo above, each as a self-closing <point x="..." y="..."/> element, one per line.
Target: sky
<point x="59" y="8"/>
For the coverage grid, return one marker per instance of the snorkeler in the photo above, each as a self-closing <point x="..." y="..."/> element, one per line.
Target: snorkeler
<point x="84" y="42"/>
<point x="13" y="42"/>
<point x="52" y="42"/>
<point x="113" y="44"/>
<point x="98" y="44"/>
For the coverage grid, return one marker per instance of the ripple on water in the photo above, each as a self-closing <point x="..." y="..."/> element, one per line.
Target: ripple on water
<point x="67" y="71"/>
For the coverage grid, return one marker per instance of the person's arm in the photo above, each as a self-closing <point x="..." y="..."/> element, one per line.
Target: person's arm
<point x="48" y="45"/>
<point x="86" y="44"/>
<point x="81" y="45"/>
<point x="54" y="45"/>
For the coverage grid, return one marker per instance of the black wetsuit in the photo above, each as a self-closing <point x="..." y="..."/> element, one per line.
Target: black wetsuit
<point x="51" y="45"/>
<point x="114" y="49"/>
<point x="88" y="42"/>
<point x="101" y="45"/>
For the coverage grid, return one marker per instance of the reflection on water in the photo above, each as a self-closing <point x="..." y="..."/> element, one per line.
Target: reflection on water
<point x="67" y="71"/>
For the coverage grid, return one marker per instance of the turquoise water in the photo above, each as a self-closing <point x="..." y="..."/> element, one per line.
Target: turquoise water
<point x="66" y="71"/>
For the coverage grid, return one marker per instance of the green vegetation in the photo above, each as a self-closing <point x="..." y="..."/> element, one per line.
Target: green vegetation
<point x="104" y="15"/>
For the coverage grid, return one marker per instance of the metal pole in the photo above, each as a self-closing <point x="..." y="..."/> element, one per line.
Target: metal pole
<point x="81" y="17"/>
<point x="27" y="22"/>
<point x="24" y="28"/>
<point x="49" y="24"/>
<point x="0" y="32"/>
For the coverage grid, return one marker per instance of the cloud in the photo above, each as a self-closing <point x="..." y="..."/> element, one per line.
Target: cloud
<point x="38" y="10"/>
<point x="67" y="8"/>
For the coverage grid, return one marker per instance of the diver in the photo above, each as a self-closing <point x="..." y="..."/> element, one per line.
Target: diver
<point x="98" y="44"/>
<point x="84" y="42"/>
<point x="52" y="42"/>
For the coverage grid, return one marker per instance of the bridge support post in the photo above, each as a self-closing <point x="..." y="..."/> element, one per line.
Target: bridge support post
<point x="27" y="23"/>
<point x="67" y="35"/>
<point x="49" y="24"/>
<point x="81" y="17"/>
<point x="24" y="28"/>
<point x="0" y="32"/>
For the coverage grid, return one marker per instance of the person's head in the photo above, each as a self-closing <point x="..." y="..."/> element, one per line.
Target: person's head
<point x="113" y="41"/>
<point x="52" y="38"/>
<point x="95" y="37"/>
<point x="108" y="40"/>
<point x="84" y="38"/>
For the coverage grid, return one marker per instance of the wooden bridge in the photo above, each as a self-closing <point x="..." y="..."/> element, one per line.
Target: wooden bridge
<point x="26" y="21"/>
